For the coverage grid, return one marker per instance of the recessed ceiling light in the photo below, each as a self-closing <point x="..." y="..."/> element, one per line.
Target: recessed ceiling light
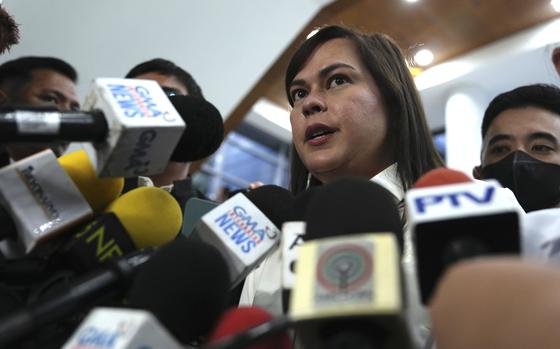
<point x="424" y="57"/>
<point x="411" y="0"/>
<point x="556" y="5"/>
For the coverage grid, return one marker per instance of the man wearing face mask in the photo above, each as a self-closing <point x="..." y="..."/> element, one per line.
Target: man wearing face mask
<point x="521" y="145"/>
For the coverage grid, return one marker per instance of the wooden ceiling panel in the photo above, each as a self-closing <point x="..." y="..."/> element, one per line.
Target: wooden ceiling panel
<point x="448" y="27"/>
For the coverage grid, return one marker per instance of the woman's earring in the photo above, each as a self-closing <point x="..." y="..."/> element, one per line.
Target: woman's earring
<point x="308" y="180"/>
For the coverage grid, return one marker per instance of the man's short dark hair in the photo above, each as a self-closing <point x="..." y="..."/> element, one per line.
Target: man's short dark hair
<point x="542" y="96"/>
<point x="165" y="67"/>
<point x="17" y="73"/>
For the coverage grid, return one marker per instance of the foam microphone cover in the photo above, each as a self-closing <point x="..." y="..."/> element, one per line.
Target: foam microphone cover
<point x="275" y="202"/>
<point x="441" y="176"/>
<point x="238" y="320"/>
<point x="302" y="201"/>
<point x="350" y="206"/>
<point x="99" y="192"/>
<point x="151" y="216"/>
<point x="185" y="285"/>
<point x="204" y="132"/>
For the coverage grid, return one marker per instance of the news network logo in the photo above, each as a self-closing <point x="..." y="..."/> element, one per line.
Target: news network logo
<point x="344" y="274"/>
<point x="30" y="180"/>
<point x="243" y="230"/>
<point x="92" y="337"/>
<point x="454" y="199"/>
<point x="135" y="101"/>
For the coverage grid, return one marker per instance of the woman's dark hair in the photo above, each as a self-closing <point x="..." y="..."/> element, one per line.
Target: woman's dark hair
<point x="415" y="153"/>
<point x="541" y="96"/>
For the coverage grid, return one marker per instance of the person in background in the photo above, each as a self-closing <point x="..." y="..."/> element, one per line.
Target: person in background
<point x="355" y="112"/>
<point x="521" y="145"/>
<point x="35" y="81"/>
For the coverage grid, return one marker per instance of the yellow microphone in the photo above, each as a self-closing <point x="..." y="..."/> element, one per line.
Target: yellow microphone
<point x="151" y="216"/>
<point x="98" y="192"/>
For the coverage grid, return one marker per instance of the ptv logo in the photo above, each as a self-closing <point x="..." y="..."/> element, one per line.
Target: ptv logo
<point x="454" y="199"/>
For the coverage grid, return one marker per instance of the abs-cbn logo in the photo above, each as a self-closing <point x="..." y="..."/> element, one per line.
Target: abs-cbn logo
<point x="243" y="230"/>
<point x="136" y="101"/>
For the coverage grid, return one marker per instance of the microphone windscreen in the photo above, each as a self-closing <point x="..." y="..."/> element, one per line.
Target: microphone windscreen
<point x="185" y="285"/>
<point x="204" y="132"/>
<point x="275" y="202"/>
<point x="302" y="201"/>
<point x="238" y="320"/>
<point x="441" y="176"/>
<point x="98" y="192"/>
<point x="350" y="206"/>
<point x="151" y="216"/>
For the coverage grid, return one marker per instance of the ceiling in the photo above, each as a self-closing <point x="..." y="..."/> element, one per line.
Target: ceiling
<point x="449" y="28"/>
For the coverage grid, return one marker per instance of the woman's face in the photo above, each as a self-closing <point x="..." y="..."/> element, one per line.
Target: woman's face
<point x="339" y="123"/>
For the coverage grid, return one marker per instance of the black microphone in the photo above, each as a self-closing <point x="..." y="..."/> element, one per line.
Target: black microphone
<point x="77" y="296"/>
<point x="185" y="286"/>
<point x="348" y="291"/>
<point x="204" y="132"/>
<point x="350" y="206"/>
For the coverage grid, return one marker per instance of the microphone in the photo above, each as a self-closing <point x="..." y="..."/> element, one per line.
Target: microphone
<point x="348" y="293"/>
<point x="498" y="303"/>
<point x="39" y="201"/>
<point x="352" y="205"/>
<point x="205" y="128"/>
<point x="81" y="293"/>
<point x="348" y="288"/>
<point x="250" y="327"/>
<point x="293" y="234"/>
<point x="244" y="228"/>
<point x="185" y="286"/>
<point x="195" y="208"/>
<point x="150" y="214"/>
<point x="143" y="217"/>
<point x="121" y="329"/>
<point x="98" y="192"/>
<point x="454" y="221"/>
<point x="132" y="123"/>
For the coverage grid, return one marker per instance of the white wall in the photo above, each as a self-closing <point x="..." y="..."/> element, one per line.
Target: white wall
<point x="226" y="45"/>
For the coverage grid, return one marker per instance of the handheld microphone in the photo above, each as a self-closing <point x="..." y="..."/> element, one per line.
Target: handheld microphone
<point x="39" y="201"/>
<point x="250" y="327"/>
<point x="348" y="293"/>
<point x="195" y="208"/>
<point x="205" y="129"/>
<point x="98" y="192"/>
<point x="185" y="286"/>
<point x="451" y="222"/>
<point x="132" y="123"/>
<point x="348" y="289"/>
<point x="121" y="329"/>
<point x="150" y="214"/>
<point x="81" y="293"/>
<point x="244" y="227"/>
